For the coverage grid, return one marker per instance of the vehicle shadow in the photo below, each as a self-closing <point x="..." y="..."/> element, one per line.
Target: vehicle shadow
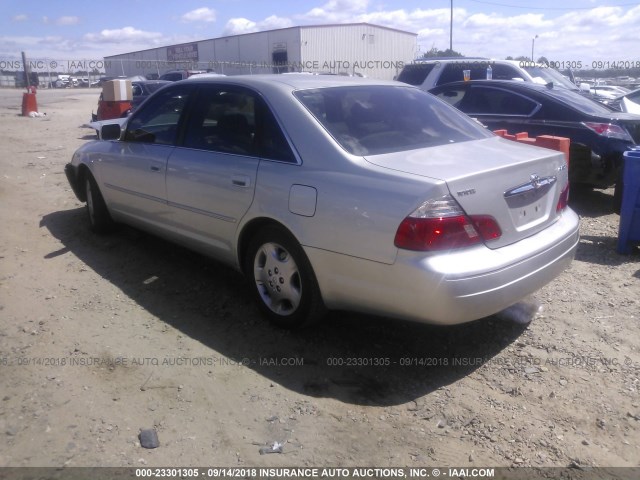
<point x="602" y="250"/>
<point x="589" y="202"/>
<point x="356" y="359"/>
<point x="598" y="249"/>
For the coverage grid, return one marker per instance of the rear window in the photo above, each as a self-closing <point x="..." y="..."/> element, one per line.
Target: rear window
<point x="370" y="120"/>
<point x="578" y="102"/>
<point x="487" y="100"/>
<point x="415" y="73"/>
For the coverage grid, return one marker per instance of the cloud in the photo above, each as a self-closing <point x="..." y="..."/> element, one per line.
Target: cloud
<point x="274" y="22"/>
<point x="416" y="20"/>
<point x="67" y="21"/>
<point x="123" y="35"/>
<point x="597" y="34"/>
<point x="492" y="21"/>
<point x="238" y="26"/>
<point x="336" y="11"/>
<point x="203" y="14"/>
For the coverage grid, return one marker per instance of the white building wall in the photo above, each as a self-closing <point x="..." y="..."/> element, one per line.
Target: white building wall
<point x="352" y="48"/>
<point x="369" y="50"/>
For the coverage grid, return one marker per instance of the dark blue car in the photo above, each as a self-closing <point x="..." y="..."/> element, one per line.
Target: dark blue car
<point x="599" y="136"/>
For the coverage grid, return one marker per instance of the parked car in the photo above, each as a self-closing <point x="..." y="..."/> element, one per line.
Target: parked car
<point x="629" y="103"/>
<point x="599" y="136"/>
<point x="66" y="81"/>
<point x="609" y="91"/>
<point x="430" y="73"/>
<point x="336" y="192"/>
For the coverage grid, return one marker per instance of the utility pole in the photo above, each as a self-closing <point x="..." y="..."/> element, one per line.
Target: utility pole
<point x="533" y="42"/>
<point x="25" y="66"/>
<point x="451" y="29"/>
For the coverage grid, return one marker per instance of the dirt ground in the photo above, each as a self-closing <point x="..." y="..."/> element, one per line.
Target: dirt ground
<point x="102" y="337"/>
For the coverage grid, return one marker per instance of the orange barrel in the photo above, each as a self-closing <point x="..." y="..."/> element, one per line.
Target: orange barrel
<point x="29" y="103"/>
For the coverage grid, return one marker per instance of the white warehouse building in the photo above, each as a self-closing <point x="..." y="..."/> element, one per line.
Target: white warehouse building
<point x="353" y="49"/>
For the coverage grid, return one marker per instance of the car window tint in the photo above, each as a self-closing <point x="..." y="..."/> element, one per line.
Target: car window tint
<point x="172" y="77"/>
<point x="157" y="121"/>
<point x="369" y="120"/>
<point x="415" y="73"/>
<point x="272" y="143"/>
<point x="577" y="102"/>
<point x="235" y="120"/>
<point x="223" y="121"/>
<point x="453" y="96"/>
<point x="487" y="100"/>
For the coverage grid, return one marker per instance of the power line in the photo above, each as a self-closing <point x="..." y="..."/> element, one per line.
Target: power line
<point x="553" y="8"/>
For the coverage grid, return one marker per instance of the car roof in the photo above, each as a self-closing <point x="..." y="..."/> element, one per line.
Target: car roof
<point x="450" y="59"/>
<point x="152" y="82"/>
<point x="516" y="84"/>
<point x="293" y="81"/>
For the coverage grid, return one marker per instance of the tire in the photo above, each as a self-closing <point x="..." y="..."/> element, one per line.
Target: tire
<point x="99" y="219"/>
<point x="281" y="280"/>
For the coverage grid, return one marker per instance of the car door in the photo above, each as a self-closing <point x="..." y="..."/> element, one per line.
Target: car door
<point x="211" y="179"/>
<point x="132" y="172"/>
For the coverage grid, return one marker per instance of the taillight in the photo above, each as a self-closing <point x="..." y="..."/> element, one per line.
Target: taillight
<point x="441" y="224"/>
<point x="563" y="201"/>
<point x="609" y="130"/>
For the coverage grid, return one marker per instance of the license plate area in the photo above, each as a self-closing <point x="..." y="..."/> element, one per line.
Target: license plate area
<point x="529" y="206"/>
<point x="525" y="215"/>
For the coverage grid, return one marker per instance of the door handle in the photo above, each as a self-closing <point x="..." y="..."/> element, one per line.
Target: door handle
<point x="154" y="168"/>
<point x="241" y="180"/>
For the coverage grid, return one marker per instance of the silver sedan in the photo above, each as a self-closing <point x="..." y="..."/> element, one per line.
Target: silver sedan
<point x="336" y="193"/>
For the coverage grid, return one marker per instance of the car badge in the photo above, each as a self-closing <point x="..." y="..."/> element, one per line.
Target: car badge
<point x="535" y="181"/>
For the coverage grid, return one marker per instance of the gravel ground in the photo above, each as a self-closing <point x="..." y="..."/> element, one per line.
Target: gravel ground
<point x="102" y="337"/>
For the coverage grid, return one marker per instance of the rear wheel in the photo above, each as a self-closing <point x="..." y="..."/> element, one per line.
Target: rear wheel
<point x="281" y="279"/>
<point x="99" y="218"/>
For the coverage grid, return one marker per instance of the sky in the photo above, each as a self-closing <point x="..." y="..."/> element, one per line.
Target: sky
<point x="586" y="31"/>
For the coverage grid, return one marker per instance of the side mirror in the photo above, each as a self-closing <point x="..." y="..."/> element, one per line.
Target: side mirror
<point x="110" y="131"/>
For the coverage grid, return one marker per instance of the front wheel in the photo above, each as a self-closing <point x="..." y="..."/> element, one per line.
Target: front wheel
<point x="281" y="279"/>
<point x="99" y="218"/>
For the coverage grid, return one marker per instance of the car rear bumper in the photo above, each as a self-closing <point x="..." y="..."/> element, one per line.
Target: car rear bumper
<point x="452" y="288"/>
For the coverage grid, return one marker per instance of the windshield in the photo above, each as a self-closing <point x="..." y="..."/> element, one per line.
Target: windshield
<point x="370" y="120"/>
<point x="545" y="75"/>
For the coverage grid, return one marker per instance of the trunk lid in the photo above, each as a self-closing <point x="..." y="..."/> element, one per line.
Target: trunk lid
<point x="519" y="185"/>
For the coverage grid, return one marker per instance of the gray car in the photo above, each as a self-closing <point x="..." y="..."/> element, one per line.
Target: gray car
<point x="336" y="193"/>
